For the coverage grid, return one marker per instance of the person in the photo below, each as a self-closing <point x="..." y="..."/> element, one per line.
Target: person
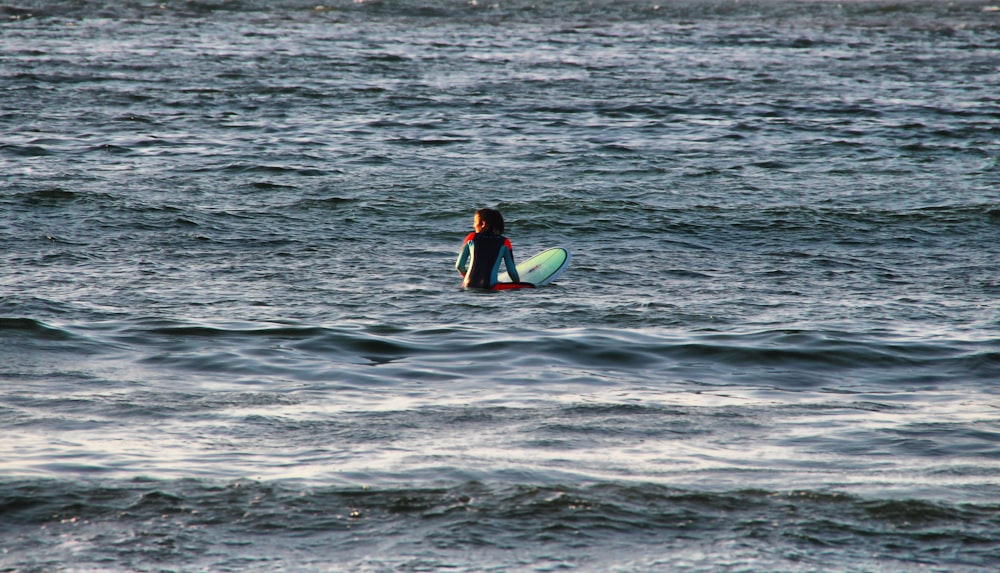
<point x="483" y="250"/>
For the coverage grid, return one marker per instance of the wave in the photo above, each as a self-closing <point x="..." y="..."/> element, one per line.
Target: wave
<point x="33" y="328"/>
<point x="599" y="526"/>
<point x="634" y="212"/>
<point x="916" y="14"/>
<point x="25" y="150"/>
<point x="59" y="197"/>
<point x="658" y="216"/>
<point x="791" y="359"/>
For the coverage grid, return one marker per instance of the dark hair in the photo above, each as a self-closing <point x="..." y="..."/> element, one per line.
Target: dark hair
<point x="493" y="220"/>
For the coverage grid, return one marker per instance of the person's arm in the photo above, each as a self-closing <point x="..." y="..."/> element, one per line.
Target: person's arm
<point x="462" y="264"/>
<point x="508" y="260"/>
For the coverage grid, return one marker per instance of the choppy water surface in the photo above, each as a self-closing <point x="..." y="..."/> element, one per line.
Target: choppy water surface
<point x="231" y="336"/>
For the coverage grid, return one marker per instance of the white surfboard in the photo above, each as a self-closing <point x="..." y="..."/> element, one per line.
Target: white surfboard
<point x="542" y="268"/>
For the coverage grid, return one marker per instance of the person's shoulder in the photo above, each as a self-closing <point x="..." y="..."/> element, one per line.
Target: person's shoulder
<point x="470" y="236"/>
<point x="506" y="243"/>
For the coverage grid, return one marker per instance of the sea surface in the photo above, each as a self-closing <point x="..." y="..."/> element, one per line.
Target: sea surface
<point x="232" y="337"/>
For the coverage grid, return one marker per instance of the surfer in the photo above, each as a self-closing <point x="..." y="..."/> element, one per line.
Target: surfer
<point x="483" y="251"/>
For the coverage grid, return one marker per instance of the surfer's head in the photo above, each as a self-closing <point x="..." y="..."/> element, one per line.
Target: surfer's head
<point x="489" y="220"/>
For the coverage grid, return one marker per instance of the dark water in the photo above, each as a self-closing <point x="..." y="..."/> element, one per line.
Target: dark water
<point x="231" y="336"/>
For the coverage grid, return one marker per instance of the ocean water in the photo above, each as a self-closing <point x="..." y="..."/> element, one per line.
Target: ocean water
<point x="232" y="337"/>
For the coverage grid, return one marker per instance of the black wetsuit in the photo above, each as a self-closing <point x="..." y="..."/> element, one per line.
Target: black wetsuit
<point x="480" y="259"/>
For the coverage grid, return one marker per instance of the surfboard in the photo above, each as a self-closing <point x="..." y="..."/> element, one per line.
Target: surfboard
<point x="538" y="270"/>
